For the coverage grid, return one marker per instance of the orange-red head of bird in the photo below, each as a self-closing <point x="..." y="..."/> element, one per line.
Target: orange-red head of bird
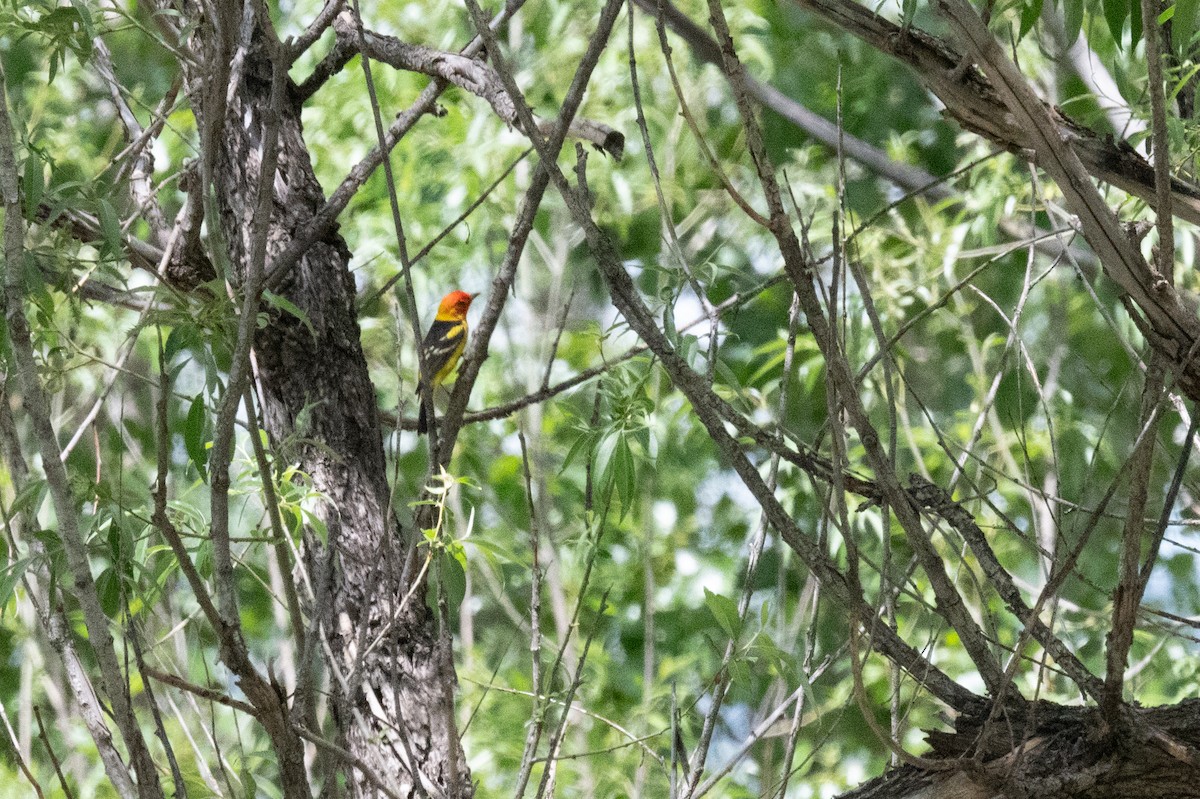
<point x="455" y="305"/>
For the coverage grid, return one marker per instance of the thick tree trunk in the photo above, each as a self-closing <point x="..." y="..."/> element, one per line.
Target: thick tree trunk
<point x="391" y="698"/>
<point x="1049" y="751"/>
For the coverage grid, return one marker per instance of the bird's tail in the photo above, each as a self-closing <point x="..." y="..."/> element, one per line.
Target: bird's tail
<point x="423" y="414"/>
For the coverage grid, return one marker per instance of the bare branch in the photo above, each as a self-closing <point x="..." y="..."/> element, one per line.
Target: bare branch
<point x="706" y="49"/>
<point x="703" y="400"/>
<point x="548" y="148"/>
<point x="799" y="270"/>
<point x="315" y="29"/>
<point x="323" y="220"/>
<point x="140" y="156"/>
<point x="209" y="694"/>
<point x="971" y="99"/>
<point x="467" y="73"/>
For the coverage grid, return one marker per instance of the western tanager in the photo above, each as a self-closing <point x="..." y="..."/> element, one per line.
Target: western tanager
<point x="443" y="346"/>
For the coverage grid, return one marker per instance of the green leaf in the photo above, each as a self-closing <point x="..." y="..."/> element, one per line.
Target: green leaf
<point x="1135" y="24"/>
<point x="194" y="438"/>
<point x="10" y="575"/>
<point x="452" y="580"/>
<point x="114" y="540"/>
<point x="1183" y="24"/>
<point x="768" y="653"/>
<point x="604" y="458"/>
<point x="1183" y="81"/>
<point x="724" y="610"/>
<point x="108" y="586"/>
<point x="583" y="441"/>
<point x="34" y="184"/>
<point x="29" y="499"/>
<point x="289" y="307"/>
<point x="625" y="473"/>
<point x="317" y="525"/>
<point x="85" y="20"/>
<point x="180" y="338"/>
<point x="1031" y="12"/>
<point x="769" y="358"/>
<point x="495" y="553"/>
<point x="249" y="784"/>
<point x="110" y="229"/>
<point x="204" y="558"/>
<point x="1072" y="19"/>
<point x="1115" y="12"/>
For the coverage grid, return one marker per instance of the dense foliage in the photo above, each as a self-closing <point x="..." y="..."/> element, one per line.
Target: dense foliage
<point x="1013" y="378"/>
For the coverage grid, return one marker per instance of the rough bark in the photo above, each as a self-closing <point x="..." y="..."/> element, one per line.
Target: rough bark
<point x="319" y="408"/>
<point x="1050" y="751"/>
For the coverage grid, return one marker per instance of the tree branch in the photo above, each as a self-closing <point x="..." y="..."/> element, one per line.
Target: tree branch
<point x="1176" y="330"/>
<point x="703" y="400"/>
<point x="841" y="376"/>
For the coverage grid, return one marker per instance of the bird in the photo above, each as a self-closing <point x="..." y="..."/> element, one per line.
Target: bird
<point x="442" y="348"/>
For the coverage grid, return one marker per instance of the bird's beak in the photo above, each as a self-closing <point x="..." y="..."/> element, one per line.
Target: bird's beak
<point x="473" y="296"/>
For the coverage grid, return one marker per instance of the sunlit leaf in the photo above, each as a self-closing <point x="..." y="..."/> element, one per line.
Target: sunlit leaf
<point x="724" y="610"/>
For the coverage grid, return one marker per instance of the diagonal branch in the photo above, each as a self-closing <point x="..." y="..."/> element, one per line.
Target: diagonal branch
<point x="1127" y="596"/>
<point x="548" y="144"/>
<point x="972" y="100"/>
<point x="324" y="220"/>
<point x="467" y="73"/>
<point x="1174" y="330"/>
<point x="841" y="377"/>
<point x="937" y="500"/>
<point x="706" y="49"/>
<point x="704" y="401"/>
<point x="911" y="178"/>
<point x="51" y="615"/>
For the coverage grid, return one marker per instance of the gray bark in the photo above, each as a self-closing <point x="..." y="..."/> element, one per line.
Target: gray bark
<point x="319" y="407"/>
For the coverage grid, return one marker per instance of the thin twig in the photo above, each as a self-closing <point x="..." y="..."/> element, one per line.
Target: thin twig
<point x="366" y="302"/>
<point x="20" y="758"/>
<point x="363" y="767"/>
<point x="684" y="108"/>
<point x="799" y="269"/>
<point x="1164" y="256"/>
<point x="323" y="220"/>
<point x="538" y="712"/>
<point x="45" y="739"/>
<point x="705" y="403"/>
<point x="548" y="147"/>
<point x="209" y="694"/>
<point x="315" y="29"/>
<point x="545" y="787"/>
<point x="665" y="209"/>
<point x="426" y="386"/>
